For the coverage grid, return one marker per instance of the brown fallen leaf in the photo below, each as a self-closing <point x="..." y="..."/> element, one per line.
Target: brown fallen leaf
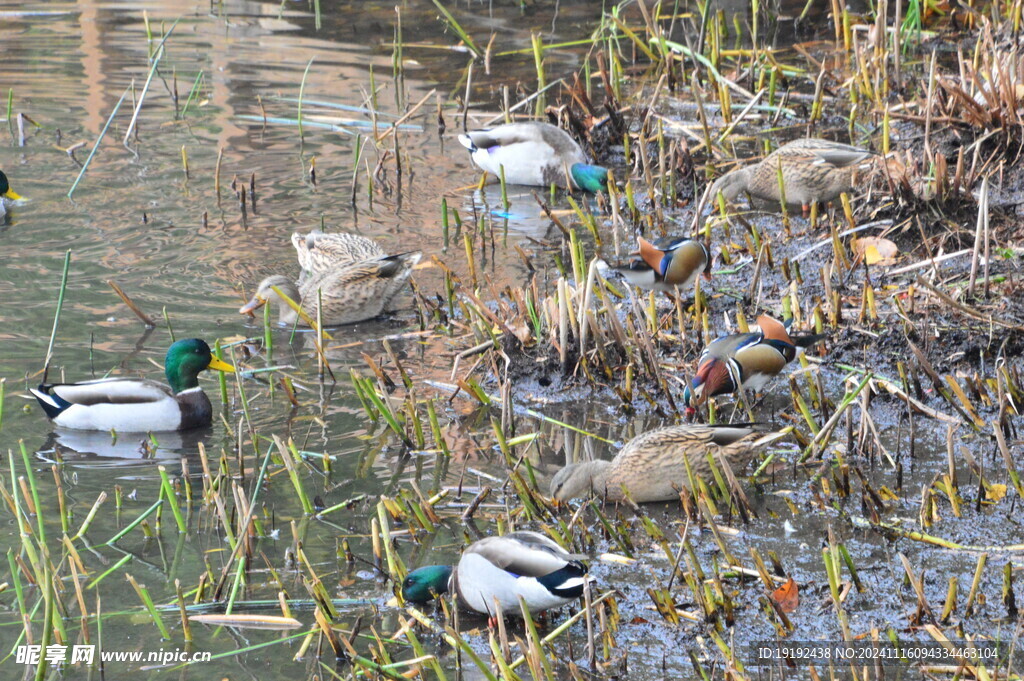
<point x="787" y="596"/>
<point x="875" y="250"/>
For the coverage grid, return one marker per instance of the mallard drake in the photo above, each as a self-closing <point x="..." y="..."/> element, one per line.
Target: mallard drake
<point x="745" y="360"/>
<point x="318" y="251"/>
<point x="503" y="569"/>
<point x="669" y="267"/>
<point x="351" y="292"/>
<point x="7" y="195"/>
<point x="813" y="170"/>
<point x="136" y="405"/>
<point x="534" y="153"/>
<point x="652" y="466"/>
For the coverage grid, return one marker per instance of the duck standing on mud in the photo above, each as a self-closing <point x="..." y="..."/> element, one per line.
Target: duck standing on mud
<point x="667" y="268"/>
<point x="745" y="361"/>
<point x="812" y="170"/>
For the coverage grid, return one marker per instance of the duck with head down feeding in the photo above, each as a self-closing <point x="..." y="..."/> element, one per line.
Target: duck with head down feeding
<point x="348" y="276"/>
<point x="745" y="361"/>
<point x="657" y="465"/>
<point x="534" y="153"/>
<point x="812" y="170"/>
<point x="495" y="572"/>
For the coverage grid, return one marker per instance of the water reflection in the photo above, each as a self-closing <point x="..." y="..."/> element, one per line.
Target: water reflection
<point x="523" y="217"/>
<point x="83" y="448"/>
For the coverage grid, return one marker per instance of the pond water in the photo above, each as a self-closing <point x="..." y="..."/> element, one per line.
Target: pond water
<point x="189" y="257"/>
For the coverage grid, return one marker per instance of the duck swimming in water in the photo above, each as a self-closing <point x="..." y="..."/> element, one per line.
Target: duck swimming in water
<point x="138" y="405"/>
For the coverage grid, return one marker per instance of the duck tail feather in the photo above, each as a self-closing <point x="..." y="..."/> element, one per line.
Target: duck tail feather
<point x="52" y="403"/>
<point x="808" y="340"/>
<point x="567" y="582"/>
<point x="771" y="437"/>
<point x="397" y="265"/>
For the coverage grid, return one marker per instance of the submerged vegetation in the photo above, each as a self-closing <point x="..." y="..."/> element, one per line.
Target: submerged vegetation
<point x="882" y="510"/>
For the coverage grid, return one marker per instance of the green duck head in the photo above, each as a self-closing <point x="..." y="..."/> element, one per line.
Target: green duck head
<point x="185" y="359"/>
<point x="589" y="178"/>
<point x="5" y="188"/>
<point x="426" y="583"/>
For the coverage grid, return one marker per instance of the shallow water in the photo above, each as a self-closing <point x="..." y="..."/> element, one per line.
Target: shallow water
<point x="183" y="254"/>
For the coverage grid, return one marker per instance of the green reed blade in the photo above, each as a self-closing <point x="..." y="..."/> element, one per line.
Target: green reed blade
<point x="113" y="568"/>
<point x="192" y="93"/>
<point x="135" y="523"/>
<point x="99" y="139"/>
<point x="459" y="30"/>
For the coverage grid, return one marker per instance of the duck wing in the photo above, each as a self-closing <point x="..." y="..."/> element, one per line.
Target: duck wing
<point x="527" y="554"/>
<point x="502" y="136"/>
<point x="670" y="440"/>
<point x="104" y="393"/>
<point x="768" y="358"/>
<point x="842" y="156"/>
<point x="346" y="275"/>
<point x="825" y="151"/>
<point x="316" y="250"/>
<point x="726" y="434"/>
<point x="109" y="391"/>
<point x="533" y="133"/>
<point x="727" y="346"/>
<point x="387" y="267"/>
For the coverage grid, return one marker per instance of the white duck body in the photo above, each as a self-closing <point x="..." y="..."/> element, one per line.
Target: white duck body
<point x="532" y="153"/>
<point x="100" y="405"/>
<point x="519" y="564"/>
<point x="138" y="405"/>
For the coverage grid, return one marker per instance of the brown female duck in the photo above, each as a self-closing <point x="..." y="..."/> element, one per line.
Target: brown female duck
<point x="653" y="466"/>
<point x="348" y="293"/>
<point x="813" y="171"/>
